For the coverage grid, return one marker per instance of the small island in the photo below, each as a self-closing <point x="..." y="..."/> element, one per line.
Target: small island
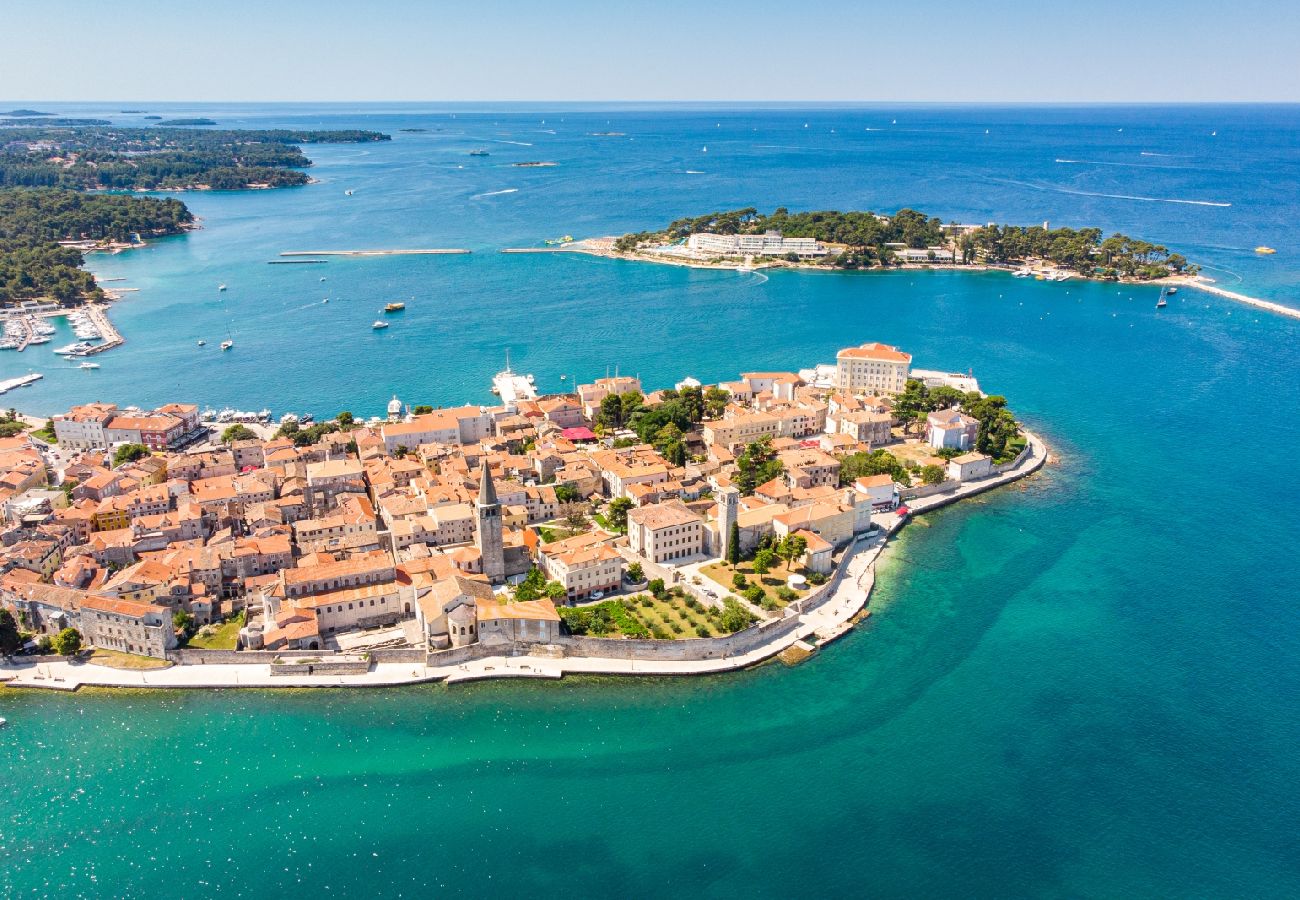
<point x="25" y="113"/>
<point x="187" y="122"/>
<point x="533" y="165"/>
<point x="692" y="529"/>
<point x="831" y="239"/>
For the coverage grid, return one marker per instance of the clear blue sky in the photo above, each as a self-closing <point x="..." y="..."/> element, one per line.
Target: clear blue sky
<point x="963" y="50"/>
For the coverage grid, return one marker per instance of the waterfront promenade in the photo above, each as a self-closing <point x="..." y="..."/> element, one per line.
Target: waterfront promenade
<point x="826" y="618"/>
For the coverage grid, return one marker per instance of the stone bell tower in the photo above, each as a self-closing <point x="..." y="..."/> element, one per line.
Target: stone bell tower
<point x="487" y="535"/>
<point x="728" y="509"/>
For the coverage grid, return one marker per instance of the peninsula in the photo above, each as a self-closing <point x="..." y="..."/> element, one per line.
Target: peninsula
<point x="692" y="529"/>
<point x="47" y="222"/>
<point x="160" y="158"/>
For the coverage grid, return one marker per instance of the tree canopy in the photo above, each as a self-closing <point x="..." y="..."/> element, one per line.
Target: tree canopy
<point x="866" y="239"/>
<point x="32" y="222"/>
<point x="150" y="158"/>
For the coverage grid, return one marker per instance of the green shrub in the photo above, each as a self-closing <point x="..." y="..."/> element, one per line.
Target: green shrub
<point x="702" y="630"/>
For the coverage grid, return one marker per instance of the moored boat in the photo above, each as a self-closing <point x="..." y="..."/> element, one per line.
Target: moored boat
<point x="394" y="307"/>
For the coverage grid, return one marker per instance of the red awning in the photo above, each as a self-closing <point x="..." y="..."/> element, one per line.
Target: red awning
<point x="580" y="433"/>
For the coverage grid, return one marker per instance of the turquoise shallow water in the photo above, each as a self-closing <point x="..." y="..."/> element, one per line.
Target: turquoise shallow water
<point x="1082" y="686"/>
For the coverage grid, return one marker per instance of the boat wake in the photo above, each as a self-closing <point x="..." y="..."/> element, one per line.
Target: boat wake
<point x="1061" y="190"/>
<point x="694" y="172"/>
<point x="1127" y="165"/>
<point x="758" y="279"/>
<point x="516" y="143"/>
<point x="495" y="193"/>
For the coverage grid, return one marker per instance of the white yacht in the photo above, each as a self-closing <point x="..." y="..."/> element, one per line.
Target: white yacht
<point x="512" y="387"/>
<point x="378" y="324"/>
<point x="88" y="365"/>
<point x="221" y="287"/>
<point x="74" y="349"/>
<point x="202" y="342"/>
<point x="226" y="345"/>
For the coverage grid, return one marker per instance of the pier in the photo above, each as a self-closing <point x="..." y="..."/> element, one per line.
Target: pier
<point x="21" y="381"/>
<point x="112" y="337"/>
<point x="565" y="249"/>
<point x="433" y="252"/>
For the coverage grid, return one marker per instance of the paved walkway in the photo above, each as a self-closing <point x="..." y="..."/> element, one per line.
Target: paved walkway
<point x="830" y="619"/>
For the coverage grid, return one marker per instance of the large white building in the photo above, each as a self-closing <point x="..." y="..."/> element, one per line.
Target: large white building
<point x="665" y="532"/>
<point x="770" y="244"/>
<point x="876" y="369"/>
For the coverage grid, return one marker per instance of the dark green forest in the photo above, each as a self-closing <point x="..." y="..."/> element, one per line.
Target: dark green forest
<point x="32" y="222"/>
<point x="156" y="158"/>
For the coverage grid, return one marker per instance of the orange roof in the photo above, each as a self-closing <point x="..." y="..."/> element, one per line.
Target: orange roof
<point x="131" y="608"/>
<point x="877" y="351"/>
<point x="870" y="481"/>
<point x="530" y="610"/>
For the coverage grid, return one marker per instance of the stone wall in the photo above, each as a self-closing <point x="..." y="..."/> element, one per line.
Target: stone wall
<point x="322" y="665"/>
<point x="927" y="490"/>
<point x="196" y="657"/>
<point x="398" y="655"/>
<point x="1027" y="451"/>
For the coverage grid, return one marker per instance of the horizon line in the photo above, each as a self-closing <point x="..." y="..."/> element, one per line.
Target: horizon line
<point x="750" y="102"/>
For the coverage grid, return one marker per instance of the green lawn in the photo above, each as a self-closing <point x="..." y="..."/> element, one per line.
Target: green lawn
<point x="116" y="659"/>
<point x="722" y="573"/>
<point x="218" y="636"/>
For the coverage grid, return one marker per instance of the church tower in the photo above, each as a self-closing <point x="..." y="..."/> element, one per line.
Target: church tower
<point x="727" y="511"/>
<point x="487" y="536"/>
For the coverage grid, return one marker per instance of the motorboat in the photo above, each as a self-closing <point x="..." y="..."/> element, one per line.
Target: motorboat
<point x="378" y="324"/>
<point x="226" y="345"/>
<point x="74" y="349"/>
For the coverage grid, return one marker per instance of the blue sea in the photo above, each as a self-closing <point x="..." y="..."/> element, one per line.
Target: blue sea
<point x="1082" y="686"/>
